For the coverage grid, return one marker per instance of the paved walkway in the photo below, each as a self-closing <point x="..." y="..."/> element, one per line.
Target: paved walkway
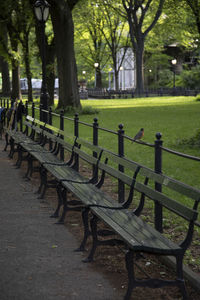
<point x="37" y="261"/>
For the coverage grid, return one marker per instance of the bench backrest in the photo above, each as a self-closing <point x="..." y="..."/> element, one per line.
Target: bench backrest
<point x="184" y="205"/>
<point x="109" y="162"/>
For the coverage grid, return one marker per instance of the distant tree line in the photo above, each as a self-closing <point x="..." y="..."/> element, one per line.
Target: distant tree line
<point x="84" y="32"/>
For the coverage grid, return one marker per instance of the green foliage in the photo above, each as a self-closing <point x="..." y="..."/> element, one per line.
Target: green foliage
<point x="193" y="141"/>
<point x="198" y="97"/>
<point x="190" y="78"/>
<point x="85" y="110"/>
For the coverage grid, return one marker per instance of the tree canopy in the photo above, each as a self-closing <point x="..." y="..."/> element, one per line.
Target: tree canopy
<point x="80" y="33"/>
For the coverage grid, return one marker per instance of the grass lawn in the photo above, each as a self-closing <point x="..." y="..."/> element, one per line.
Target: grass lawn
<point x="175" y="117"/>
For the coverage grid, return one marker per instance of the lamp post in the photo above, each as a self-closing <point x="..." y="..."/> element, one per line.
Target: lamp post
<point x="41" y="9"/>
<point x="96" y="66"/>
<point x="174" y="62"/>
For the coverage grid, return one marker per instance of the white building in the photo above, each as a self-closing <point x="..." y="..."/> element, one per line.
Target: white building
<point x="127" y="76"/>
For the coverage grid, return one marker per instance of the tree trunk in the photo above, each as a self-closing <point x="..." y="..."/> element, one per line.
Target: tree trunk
<point x="5" y="77"/>
<point x="116" y="80"/>
<point x="28" y="70"/>
<point x="98" y="78"/>
<point x="139" y="68"/>
<point x="64" y="40"/>
<point x="4" y="64"/>
<point x="50" y="59"/>
<point x="16" y="91"/>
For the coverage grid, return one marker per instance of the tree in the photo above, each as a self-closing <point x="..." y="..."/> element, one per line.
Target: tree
<point x="63" y="27"/>
<point x="24" y="17"/>
<point x="142" y="16"/>
<point x="5" y="76"/>
<point x="8" y="19"/>
<point x="116" y="36"/>
<point x="90" y="26"/>
<point x="3" y="62"/>
<point x="195" y="7"/>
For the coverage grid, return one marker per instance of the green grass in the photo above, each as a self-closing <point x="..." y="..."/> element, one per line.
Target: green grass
<point x="177" y="118"/>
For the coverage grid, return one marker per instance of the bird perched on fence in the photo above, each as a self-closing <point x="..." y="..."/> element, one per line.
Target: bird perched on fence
<point x="139" y="135"/>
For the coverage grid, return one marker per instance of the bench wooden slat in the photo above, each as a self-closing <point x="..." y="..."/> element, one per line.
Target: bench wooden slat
<point x="89" y="145"/>
<point x="175" y="206"/>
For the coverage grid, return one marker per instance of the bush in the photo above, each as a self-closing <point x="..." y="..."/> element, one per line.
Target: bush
<point x="89" y="110"/>
<point x="192" y="142"/>
<point x="85" y="110"/>
<point x="197" y="97"/>
<point x="190" y="78"/>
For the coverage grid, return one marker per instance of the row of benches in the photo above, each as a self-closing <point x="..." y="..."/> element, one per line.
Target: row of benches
<point x="46" y="144"/>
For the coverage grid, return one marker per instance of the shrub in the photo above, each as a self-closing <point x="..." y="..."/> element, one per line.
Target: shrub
<point x="192" y="142"/>
<point x="85" y="110"/>
<point x="197" y="97"/>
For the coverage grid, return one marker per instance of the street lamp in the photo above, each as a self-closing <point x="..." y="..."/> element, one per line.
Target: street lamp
<point x="41" y="9"/>
<point x="174" y="62"/>
<point x="96" y="66"/>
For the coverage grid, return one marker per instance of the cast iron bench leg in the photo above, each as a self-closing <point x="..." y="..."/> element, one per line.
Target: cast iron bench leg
<point x="93" y="225"/>
<point x="131" y="275"/>
<point x="87" y="232"/>
<point x="60" y="201"/>
<point x="65" y="206"/>
<point x="181" y="282"/>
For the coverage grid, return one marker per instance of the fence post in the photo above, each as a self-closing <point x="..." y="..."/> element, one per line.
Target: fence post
<point x="95" y="143"/>
<point x="26" y="108"/>
<point x="40" y="112"/>
<point x="121" y="189"/>
<point x="50" y="123"/>
<point x="158" y="210"/>
<point x="76" y="133"/>
<point x="33" y="110"/>
<point x="21" y="118"/>
<point x="62" y="137"/>
<point x="26" y="113"/>
<point x="7" y="104"/>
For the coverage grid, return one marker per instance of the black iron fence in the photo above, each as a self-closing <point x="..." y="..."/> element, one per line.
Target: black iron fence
<point x="131" y="93"/>
<point x="119" y="136"/>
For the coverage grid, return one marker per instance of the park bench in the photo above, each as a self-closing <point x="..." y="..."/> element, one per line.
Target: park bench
<point x="123" y="219"/>
<point x="134" y="232"/>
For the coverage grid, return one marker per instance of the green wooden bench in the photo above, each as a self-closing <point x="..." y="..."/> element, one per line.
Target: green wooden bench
<point x="135" y="233"/>
<point x="125" y="220"/>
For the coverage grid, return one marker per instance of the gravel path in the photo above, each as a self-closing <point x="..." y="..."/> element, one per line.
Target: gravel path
<point x="36" y="257"/>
